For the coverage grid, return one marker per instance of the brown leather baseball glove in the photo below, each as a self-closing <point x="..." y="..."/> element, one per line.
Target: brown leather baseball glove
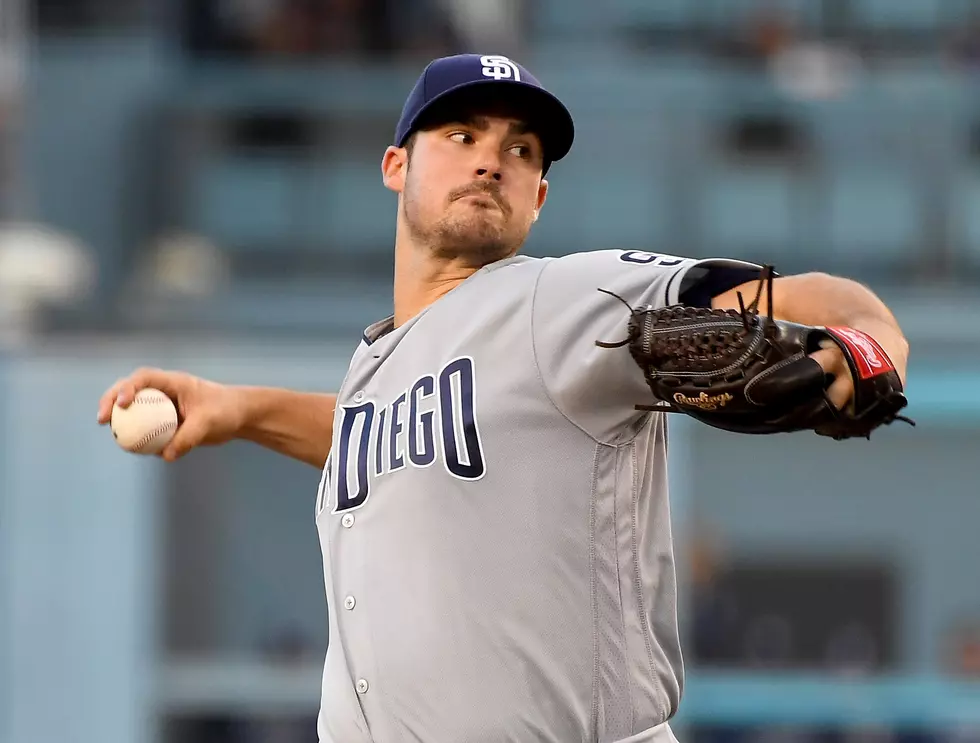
<point x="742" y="371"/>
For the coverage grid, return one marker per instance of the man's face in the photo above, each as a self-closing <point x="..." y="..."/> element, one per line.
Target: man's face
<point x="471" y="189"/>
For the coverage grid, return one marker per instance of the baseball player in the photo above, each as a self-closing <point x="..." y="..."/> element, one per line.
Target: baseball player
<point x="493" y="508"/>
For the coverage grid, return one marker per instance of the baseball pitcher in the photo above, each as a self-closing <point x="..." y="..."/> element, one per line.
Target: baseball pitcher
<point x="493" y="509"/>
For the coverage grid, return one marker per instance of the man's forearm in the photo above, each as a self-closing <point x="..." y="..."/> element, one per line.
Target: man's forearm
<point x="817" y="299"/>
<point x="296" y="424"/>
<point x="824" y="300"/>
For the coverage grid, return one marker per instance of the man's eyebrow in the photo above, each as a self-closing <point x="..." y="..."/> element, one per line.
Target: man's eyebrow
<point x="482" y="124"/>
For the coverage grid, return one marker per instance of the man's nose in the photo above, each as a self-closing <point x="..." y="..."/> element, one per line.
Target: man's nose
<point x="488" y="164"/>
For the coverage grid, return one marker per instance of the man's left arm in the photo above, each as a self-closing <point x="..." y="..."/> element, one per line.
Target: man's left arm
<point x="824" y="300"/>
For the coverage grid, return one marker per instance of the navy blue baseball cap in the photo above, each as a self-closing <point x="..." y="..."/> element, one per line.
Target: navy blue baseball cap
<point x="449" y="83"/>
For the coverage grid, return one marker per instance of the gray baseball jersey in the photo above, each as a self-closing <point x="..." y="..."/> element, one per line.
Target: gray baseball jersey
<point x="494" y="517"/>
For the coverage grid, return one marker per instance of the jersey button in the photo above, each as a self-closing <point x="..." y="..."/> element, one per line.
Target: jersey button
<point x="359" y="395"/>
<point x="349" y="603"/>
<point x="347" y="521"/>
<point x="361" y="686"/>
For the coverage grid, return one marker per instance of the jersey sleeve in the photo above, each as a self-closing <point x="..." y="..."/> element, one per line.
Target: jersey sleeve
<point x="597" y="388"/>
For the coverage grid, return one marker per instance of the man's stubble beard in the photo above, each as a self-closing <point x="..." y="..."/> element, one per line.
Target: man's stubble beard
<point x="478" y="241"/>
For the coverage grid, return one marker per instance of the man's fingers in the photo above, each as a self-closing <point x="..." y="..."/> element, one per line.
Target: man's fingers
<point x="189" y="434"/>
<point x="126" y="393"/>
<point x="140" y="379"/>
<point x="831" y="359"/>
<point x="107" y="400"/>
<point x="841" y="390"/>
<point x="123" y="392"/>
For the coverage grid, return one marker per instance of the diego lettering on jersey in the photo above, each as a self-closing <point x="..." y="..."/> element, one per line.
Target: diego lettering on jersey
<point x="435" y="418"/>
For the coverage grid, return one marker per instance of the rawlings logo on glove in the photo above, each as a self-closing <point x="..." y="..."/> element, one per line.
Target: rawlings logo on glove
<point x="703" y="401"/>
<point x="742" y="371"/>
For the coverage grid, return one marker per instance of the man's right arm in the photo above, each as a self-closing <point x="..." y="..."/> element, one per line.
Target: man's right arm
<point x="296" y="424"/>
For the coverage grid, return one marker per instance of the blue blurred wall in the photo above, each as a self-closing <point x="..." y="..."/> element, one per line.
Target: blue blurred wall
<point x="84" y="150"/>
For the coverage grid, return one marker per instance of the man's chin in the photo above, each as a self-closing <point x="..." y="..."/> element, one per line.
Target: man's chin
<point x="474" y="232"/>
<point x="477" y="247"/>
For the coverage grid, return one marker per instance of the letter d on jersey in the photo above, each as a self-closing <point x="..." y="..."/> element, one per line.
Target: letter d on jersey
<point x="362" y="415"/>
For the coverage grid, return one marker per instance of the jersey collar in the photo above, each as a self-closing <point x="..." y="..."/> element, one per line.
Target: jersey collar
<point x="381" y="328"/>
<point x="376" y="330"/>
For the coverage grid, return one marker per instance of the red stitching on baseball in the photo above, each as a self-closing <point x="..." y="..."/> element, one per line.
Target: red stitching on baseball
<point x="148" y="437"/>
<point x="152" y="397"/>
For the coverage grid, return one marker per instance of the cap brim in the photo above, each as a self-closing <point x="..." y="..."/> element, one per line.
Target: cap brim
<point x="545" y="114"/>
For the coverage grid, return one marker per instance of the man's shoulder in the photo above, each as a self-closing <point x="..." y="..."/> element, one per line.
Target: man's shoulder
<point x="587" y="259"/>
<point x="613" y="265"/>
<point x="517" y="263"/>
<point x="613" y="257"/>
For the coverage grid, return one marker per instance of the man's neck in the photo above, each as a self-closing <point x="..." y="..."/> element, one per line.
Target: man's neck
<point x="421" y="279"/>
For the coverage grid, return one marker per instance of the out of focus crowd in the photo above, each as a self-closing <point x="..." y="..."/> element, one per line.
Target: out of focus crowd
<point x="756" y="30"/>
<point x="302" y="29"/>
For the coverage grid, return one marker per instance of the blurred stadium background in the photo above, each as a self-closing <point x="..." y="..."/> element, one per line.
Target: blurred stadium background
<point x="195" y="184"/>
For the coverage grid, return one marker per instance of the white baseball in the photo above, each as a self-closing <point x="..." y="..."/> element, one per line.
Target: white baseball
<point x="147" y="425"/>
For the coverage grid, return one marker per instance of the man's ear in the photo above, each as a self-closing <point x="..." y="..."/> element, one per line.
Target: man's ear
<point x="393" y="167"/>
<point x="542" y="197"/>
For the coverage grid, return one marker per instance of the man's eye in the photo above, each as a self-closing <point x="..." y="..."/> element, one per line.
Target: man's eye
<point x="521" y="150"/>
<point x="461" y="137"/>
